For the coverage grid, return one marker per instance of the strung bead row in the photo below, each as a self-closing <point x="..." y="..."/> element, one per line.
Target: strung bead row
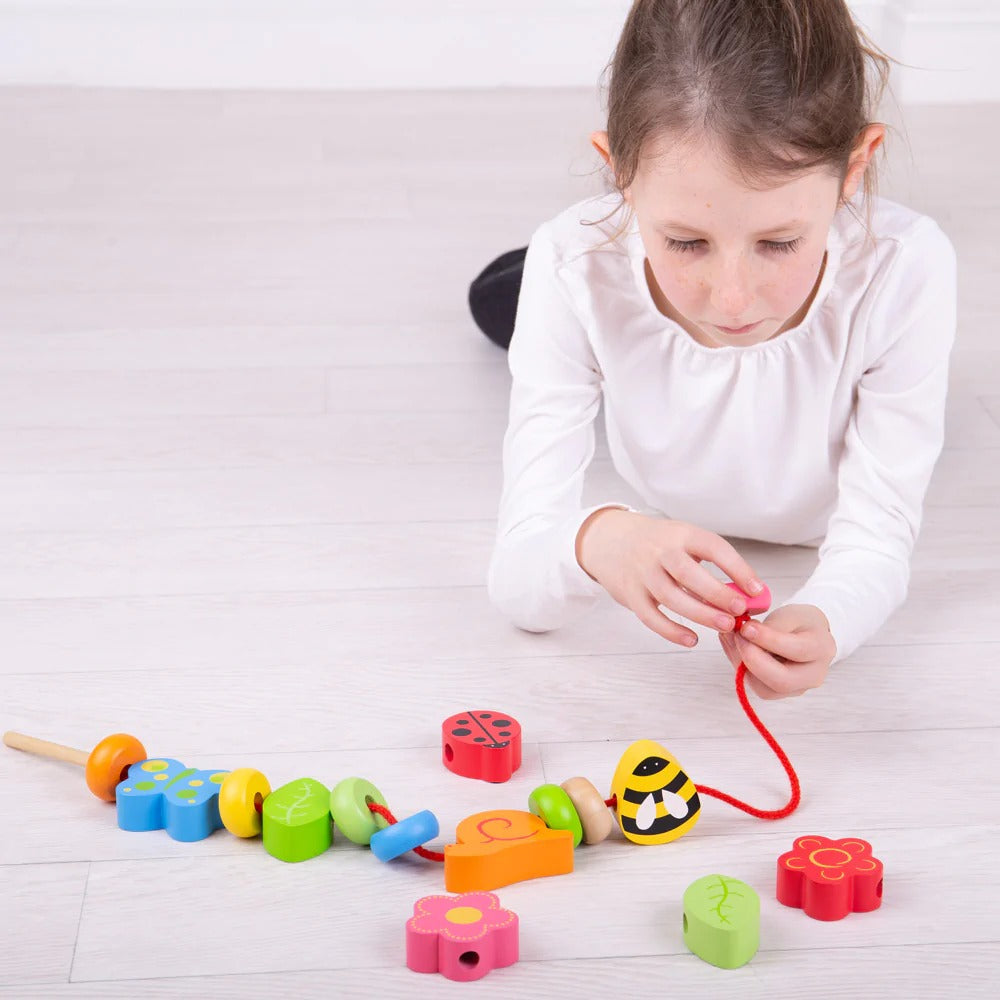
<point x="359" y="810"/>
<point x="575" y="805"/>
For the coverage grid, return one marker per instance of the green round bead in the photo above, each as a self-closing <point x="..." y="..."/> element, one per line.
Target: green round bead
<point x="555" y="808"/>
<point x="349" y="809"/>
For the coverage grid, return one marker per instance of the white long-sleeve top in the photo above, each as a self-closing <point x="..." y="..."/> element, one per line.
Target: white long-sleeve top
<point x="825" y="435"/>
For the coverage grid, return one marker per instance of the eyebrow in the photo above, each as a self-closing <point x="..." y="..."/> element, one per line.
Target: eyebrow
<point x="773" y="231"/>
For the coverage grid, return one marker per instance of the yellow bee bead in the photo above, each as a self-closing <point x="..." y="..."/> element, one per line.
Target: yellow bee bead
<point x="657" y="801"/>
<point x="241" y="801"/>
<point x="595" y="817"/>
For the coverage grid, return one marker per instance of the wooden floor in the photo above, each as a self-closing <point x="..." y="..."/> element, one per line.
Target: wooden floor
<point x="249" y="469"/>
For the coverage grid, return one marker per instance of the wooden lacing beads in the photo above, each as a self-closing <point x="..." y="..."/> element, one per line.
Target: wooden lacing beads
<point x="651" y="795"/>
<point x="296" y="820"/>
<point x="591" y="808"/>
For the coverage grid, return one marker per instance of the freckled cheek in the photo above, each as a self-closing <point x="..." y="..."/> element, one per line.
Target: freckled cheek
<point x="783" y="289"/>
<point x="788" y="290"/>
<point x="680" y="285"/>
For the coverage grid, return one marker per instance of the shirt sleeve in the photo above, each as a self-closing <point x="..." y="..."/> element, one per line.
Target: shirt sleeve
<point x="893" y="440"/>
<point x="534" y="577"/>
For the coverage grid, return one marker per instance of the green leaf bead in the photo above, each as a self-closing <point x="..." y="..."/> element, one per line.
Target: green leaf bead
<point x="555" y="808"/>
<point x="722" y="920"/>
<point x="296" y="822"/>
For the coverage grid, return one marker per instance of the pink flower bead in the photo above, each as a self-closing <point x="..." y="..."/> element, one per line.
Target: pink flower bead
<point x="462" y="937"/>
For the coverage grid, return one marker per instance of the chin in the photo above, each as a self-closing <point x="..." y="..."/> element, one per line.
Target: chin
<point x="764" y="332"/>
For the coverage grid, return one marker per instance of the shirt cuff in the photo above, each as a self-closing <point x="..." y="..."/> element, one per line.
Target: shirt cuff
<point x="857" y="592"/>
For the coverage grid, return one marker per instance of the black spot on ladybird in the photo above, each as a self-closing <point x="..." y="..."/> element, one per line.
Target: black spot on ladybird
<point x="460" y="732"/>
<point x="502" y="723"/>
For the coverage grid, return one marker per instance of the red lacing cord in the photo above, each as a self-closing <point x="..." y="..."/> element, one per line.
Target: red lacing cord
<point x="612" y="803"/>
<point x="793" y="778"/>
<point x="391" y="820"/>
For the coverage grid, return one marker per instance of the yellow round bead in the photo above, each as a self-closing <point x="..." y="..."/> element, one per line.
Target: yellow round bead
<point x="241" y="799"/>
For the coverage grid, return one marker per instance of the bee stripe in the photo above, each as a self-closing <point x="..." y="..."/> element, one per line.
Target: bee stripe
<point x="634" y="795"/>
<point x="676" y="783"/>
<point x="667" y="830"/>
<point x="652" y="782"/>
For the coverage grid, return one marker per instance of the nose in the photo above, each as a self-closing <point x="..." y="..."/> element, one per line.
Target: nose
<point x="732" y="291"/>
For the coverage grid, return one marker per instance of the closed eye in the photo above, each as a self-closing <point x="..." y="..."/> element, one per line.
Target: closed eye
<point x="773" y="246"/>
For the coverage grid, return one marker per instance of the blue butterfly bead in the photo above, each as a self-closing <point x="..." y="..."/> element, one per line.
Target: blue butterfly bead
<point x="164" y="794"/>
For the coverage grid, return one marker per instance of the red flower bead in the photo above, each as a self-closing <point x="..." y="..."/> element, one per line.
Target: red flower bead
<point x="830" y="878"/>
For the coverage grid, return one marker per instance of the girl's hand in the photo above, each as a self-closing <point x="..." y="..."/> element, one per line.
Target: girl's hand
<point x="646" y="563"/>
<point x="786" y="654"/>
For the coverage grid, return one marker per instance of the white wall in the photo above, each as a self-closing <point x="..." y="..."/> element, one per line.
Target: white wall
<point x="350" y="44"/>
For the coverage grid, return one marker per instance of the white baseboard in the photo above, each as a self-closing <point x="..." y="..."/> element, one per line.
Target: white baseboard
<point x="396" y="44"/>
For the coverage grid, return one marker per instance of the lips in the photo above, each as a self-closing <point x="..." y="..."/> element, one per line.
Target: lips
<point x="739" y="330"/>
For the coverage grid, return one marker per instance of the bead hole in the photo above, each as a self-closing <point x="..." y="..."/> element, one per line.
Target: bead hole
<point x="258" y="802"/>
<point x="449" y="754"/>
<point x="685" y="923"/>
<point x="469" y="958"/>
<point x="878" y="891"/>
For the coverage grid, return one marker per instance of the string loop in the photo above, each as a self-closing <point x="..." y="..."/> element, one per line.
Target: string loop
<point x="793" y="778"/>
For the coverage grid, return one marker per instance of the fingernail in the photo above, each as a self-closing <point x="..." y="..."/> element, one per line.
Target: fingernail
<point x="749" y="631"/>
<point x="738" y="606"/>
<point x="756" y="586"/>
<point x="690" y="640"/>
<point x="725" y="623"/>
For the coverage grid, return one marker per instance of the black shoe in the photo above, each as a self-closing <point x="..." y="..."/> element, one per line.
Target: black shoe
<point x="493" y="296"/>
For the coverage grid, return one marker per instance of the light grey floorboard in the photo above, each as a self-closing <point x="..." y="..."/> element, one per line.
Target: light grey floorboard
<point x="249" y="467"/>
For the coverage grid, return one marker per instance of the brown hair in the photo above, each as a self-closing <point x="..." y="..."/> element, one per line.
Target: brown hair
<point x="779" y="85"/>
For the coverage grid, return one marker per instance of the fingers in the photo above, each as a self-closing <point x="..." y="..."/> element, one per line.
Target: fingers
<point x="782" y="680"/>
<point x="759" y="688"/>
<point x="653" y="618"/>
<point x="667" y="592"/>
<point x="797" y="646"/>
<point x="729" y="648"/>
<point x="716" y="549"/>
<point x="697" y="581"/>
<point x="763" y="691"/>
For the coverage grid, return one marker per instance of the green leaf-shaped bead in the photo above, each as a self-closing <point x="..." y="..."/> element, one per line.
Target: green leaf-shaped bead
<point x="297" y="820"/>
<point x="722" y="920"/>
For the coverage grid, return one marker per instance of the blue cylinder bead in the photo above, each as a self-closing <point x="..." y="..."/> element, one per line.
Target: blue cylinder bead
<point x="396" y="840"/>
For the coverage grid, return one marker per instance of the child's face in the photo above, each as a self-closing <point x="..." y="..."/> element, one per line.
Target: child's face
<point x="719" y="252"/>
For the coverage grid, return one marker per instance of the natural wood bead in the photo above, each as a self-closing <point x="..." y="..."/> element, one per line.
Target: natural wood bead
<point x="595" y="817"/>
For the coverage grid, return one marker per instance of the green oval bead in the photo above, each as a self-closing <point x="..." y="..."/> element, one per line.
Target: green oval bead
<point x="349" y="809"/>
<point x="555" y="808"/>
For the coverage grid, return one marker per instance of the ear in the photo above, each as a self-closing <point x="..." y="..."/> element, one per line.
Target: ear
<point x="599" y="140"/>
<point x="871" y="139"/>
